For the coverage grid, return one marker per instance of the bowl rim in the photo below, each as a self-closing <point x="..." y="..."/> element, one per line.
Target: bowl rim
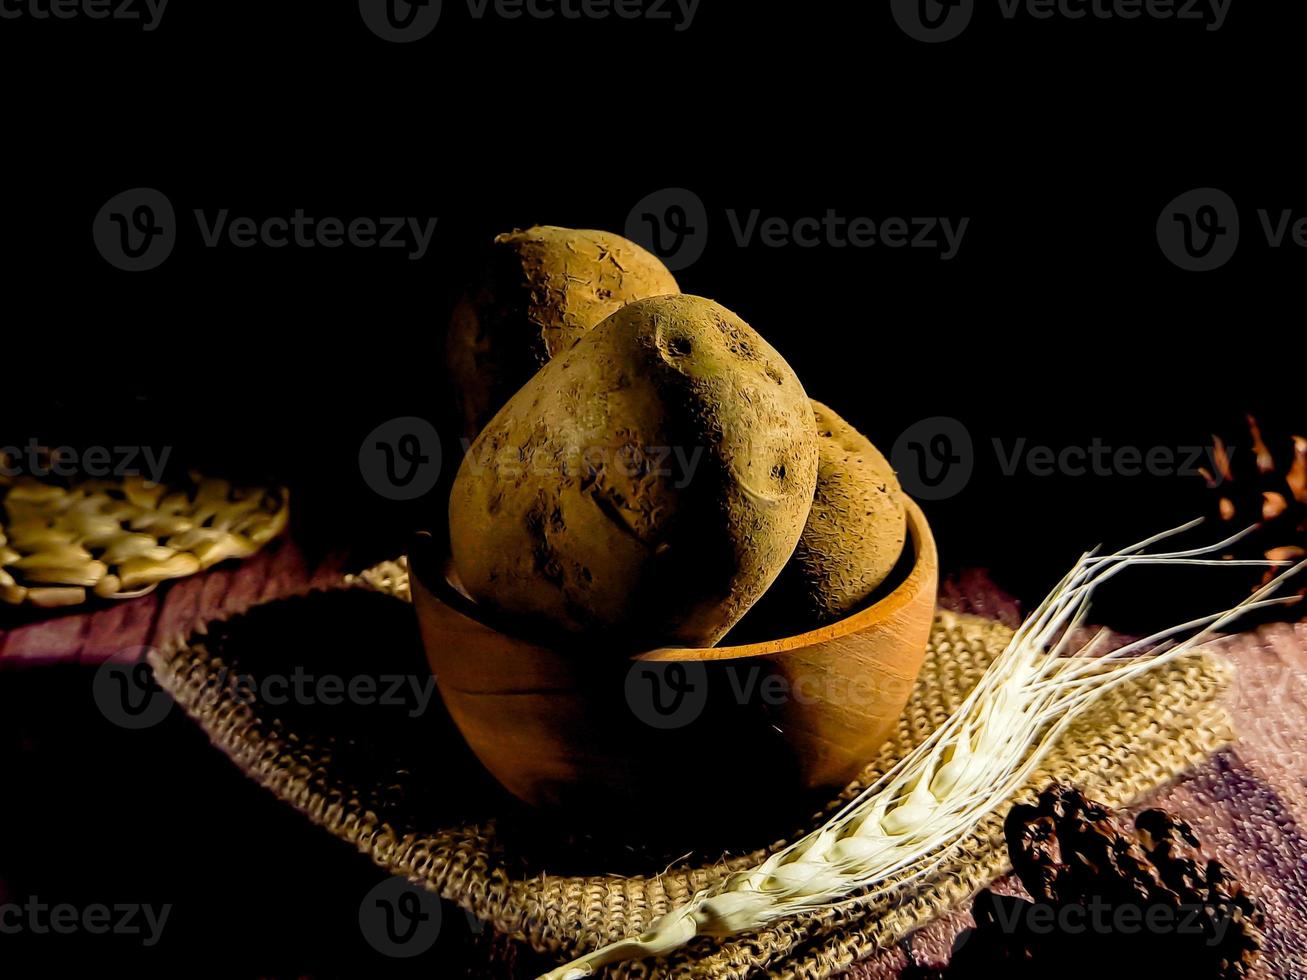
<point x="924" y="565"/>
<point x="924" y="569"/>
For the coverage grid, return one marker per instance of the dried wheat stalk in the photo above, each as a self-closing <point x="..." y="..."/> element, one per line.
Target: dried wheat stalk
<point x="907" y="822"/>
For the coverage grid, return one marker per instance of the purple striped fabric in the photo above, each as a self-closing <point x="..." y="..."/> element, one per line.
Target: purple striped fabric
<point x="100" y="632"/>
<point x="1248" y="804"/>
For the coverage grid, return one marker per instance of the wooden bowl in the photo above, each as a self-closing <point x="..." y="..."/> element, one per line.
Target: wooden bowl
<point x="671" y="733"/>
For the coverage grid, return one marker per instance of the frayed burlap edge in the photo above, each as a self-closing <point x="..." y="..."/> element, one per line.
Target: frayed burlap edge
<point x="1137" y="738"/>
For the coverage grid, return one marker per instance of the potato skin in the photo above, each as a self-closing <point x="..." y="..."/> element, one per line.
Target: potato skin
<point x="568" y="515"/>
<point x="853" y="537"/>
<point x="540" y="291"/>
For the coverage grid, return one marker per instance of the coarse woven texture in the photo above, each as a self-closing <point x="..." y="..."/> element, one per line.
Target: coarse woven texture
<point x="369" y="786"/>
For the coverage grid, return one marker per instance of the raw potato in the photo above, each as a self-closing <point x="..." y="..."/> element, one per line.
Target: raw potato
<point x="541" y="290"/>
<point x="646" y="486"/>
<point x="853" y="538"/>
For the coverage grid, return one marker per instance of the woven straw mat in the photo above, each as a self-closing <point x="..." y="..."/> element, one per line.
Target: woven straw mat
<point x="118" y="539"/>
<point x="397" y="795"/>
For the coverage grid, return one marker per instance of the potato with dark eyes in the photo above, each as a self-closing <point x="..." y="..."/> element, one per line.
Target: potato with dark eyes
<point x="539" y="291"/>
<point x="647" y="485"/>
<point x="853" y="537"/>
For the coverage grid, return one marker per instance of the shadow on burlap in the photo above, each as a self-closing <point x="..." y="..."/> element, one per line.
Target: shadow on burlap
<point x="405" y="791"/>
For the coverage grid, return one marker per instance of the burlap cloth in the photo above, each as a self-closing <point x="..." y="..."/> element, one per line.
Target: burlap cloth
<point x="405" y="791"/>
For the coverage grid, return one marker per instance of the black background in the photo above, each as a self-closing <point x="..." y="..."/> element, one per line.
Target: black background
<point x="1060" y="321"/>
